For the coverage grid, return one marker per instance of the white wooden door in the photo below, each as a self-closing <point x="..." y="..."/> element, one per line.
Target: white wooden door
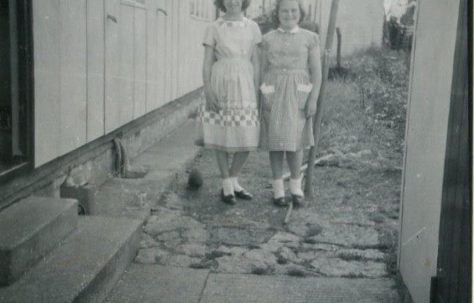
<point x="157" y="83"/>
<point x="140" y="60"/>
<point x="95" y="69"/>
<point x="119" y="63"/>
<point x="161" y="50"/>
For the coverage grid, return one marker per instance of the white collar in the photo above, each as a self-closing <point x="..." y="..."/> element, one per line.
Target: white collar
<point x="238" y="23"/>
<point x="292" y="31"/>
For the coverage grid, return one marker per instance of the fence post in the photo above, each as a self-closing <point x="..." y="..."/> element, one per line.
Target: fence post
<point x="317" y="117"/>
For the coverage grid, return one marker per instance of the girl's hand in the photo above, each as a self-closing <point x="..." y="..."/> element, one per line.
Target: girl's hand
<point x="310" y="108"/>
<point x="211" y="102"/>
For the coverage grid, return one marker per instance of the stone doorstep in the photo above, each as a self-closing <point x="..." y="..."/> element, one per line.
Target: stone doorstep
<point x="30" y="229"/>
<point x="83" y="268"/>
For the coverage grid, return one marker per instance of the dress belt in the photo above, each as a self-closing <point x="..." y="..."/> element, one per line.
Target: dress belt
<point x="288" y="70"/>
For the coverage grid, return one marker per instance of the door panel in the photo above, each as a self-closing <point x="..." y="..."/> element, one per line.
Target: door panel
<point x="95" y="69"/>
<point x="140" y="60"/>
<point x="454" y="263"/>
<point x="161" y="67"/>
<point x="125" y="104"/>
<point x="47" y="80"/>
<point x="112" y="56"/>
<point x="168" y="52"/>
<point x="150" y="55"/>
<point x="119" y="64"/>
<point x="73" y="66"/>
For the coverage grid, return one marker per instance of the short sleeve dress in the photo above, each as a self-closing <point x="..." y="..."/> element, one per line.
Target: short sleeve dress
<point x="286" y="87"/>
<point x="236" y="127"/>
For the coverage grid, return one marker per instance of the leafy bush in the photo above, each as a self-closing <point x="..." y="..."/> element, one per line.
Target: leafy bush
<point x="368" y="104"/>
<point x="382" y="77"/>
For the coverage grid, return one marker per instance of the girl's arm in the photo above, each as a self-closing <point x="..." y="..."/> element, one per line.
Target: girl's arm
<point x="263" y="69"/>
<point x="316" y="78"/>
<point x="263" y="64"/>
<point x="211" y="98"/>
<point x="256" y="68"/>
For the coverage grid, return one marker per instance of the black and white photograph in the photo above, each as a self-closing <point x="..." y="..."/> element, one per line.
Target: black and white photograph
<point x="236" y="151"/>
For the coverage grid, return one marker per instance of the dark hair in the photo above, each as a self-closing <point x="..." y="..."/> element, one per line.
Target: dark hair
<point x="276" y="21"/>
<point x="220" y="5"/>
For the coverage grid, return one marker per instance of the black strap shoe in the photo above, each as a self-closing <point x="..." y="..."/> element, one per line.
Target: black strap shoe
<point x="243" y="194"/>
<point x="298" y="201"/>
<point x="229" y="199"/>
<point x="280" y="202"/>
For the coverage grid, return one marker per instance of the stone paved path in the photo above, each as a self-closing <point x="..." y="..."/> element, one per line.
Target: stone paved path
<point x="167" y="284"/>
<point x="349" y="230"/>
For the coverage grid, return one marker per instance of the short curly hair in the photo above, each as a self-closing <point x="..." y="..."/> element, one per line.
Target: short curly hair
<point x="220" y="4"/>
<point x="276" y="20"/>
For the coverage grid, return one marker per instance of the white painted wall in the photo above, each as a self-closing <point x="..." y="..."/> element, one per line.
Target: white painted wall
<point x="100" y="64"/>
<point x="427" y="124"/>
<point x="95" y="69"/>
<point x="360" y="22"/>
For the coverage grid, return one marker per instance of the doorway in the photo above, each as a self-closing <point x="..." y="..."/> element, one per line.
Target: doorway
<point x="453" y="280"/>
<point x="15" y="87"/>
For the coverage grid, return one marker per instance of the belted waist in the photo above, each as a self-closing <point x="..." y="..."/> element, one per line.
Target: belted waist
<point x="288" y="70"/>
<point x="243" y="58"/>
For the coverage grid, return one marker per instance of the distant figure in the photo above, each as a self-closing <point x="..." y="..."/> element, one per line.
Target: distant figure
<point x="230" y="119"/>
<point x="291" y="70"/>
<point x="395" y="33"/>
<point x="399" y="22"/>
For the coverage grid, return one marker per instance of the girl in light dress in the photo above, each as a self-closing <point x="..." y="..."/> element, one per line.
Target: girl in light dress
<point x="291" y="71"/>
<point x="230" y="120"/>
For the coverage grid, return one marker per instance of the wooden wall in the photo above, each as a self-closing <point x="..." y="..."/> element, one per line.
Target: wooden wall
<point x="100" y="64"/>
<point x="426" y="137"/>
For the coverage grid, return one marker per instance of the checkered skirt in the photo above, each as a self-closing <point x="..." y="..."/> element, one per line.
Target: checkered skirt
<point x="236" y="126"/>
<point x="230" y="130"/>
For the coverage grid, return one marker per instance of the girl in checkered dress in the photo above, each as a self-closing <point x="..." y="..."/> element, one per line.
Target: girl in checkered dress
<point x="290" y="89"/>
<point x="230" y="121"/>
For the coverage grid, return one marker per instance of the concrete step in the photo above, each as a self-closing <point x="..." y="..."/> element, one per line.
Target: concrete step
<point x="133" y="198"/>
<point x="29" y="230"/>
<point x="83" y="268"/>
<point x="150" y="283"/>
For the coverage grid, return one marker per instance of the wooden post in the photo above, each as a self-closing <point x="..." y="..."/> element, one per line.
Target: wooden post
<point x="339" y="38"/>
<point x="319" y="111"/>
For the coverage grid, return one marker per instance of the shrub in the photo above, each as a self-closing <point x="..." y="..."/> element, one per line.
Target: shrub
<point x="368" y="104"/>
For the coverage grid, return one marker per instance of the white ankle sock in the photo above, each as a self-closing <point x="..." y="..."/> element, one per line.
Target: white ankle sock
<point x="227" y="187"/>
<point x="235" y="184"/>
<point x="295" y="187"/>
<point x="278" y="188"/>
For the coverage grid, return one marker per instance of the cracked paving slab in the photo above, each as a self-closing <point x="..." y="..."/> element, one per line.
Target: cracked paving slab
<point x="193" y="229"/>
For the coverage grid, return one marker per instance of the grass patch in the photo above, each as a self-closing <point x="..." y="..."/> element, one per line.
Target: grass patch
<point x="367" y="107"/>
